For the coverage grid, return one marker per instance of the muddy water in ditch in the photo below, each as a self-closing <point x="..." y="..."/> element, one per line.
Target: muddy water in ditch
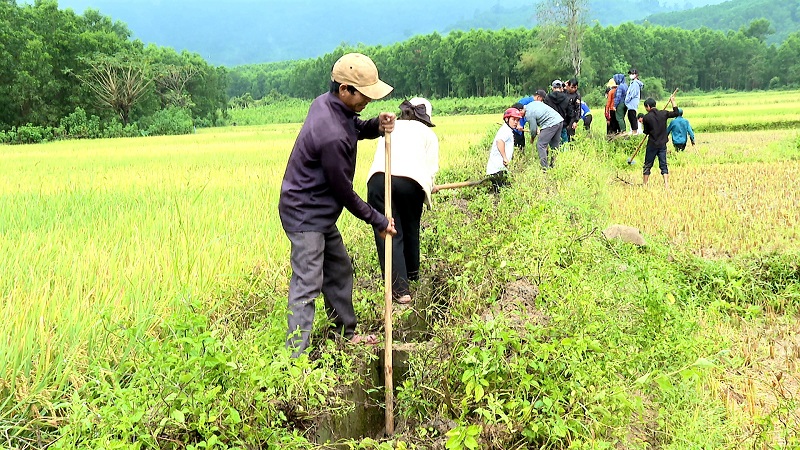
<point x="368" y="419"/>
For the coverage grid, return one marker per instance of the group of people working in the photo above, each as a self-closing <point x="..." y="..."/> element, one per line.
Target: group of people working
<point x="318" y="182"/>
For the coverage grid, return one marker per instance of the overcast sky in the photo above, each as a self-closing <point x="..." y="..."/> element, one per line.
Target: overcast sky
<point x="234" y="32"/>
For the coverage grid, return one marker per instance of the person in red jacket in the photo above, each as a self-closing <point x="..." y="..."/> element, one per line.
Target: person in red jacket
<point x="612" y="126"/>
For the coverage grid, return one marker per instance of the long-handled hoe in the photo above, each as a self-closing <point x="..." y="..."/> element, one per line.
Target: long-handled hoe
<point x="631" y="160"/>
<point x="440" y="187"/>
<point x="387" y="299"/>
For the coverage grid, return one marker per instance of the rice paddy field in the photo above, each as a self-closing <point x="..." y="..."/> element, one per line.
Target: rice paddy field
<point x="729" y="194"/>
<point x="118" y="232"/>
<point x="100" y="232"/>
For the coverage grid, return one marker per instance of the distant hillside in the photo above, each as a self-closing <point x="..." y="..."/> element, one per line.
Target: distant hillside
<point x="734" y="14"/>
<point x="604" y="12"/>
<point x="235" y="32"/>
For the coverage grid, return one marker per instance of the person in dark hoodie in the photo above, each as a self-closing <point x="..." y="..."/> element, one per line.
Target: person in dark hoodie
<point x="559" y="101"/>
<point x="619" y="101"/>
<point x="575" y="110"/>
<point x="317" y="186"/>
<point x="654" y="124"/>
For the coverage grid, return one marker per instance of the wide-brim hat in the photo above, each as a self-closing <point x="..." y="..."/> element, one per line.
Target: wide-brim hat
<point x="358" y="70"/>
<point x="420" y="108"/>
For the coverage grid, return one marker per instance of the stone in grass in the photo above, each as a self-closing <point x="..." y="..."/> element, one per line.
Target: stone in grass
<point x="625" y="233"/>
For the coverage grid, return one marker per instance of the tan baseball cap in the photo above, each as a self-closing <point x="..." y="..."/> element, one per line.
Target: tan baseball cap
<point x="359" y="71"/>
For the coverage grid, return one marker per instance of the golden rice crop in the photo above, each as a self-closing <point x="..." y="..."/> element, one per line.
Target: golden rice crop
<point x="104" y="232"/>
<point x="735" y="195"/>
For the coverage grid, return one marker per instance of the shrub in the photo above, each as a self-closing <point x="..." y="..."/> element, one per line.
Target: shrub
<point x="114" y="129"/>
<point x="194" y="384"/>
<point x="169" y="121"/>
<point x="654" y="87"/>
<point x="78" y="125"/>
<point x="30" y="134"/>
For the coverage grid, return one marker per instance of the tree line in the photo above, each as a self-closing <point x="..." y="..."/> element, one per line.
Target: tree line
<point x="512" y="62"/>
<point x="63" y="74"/>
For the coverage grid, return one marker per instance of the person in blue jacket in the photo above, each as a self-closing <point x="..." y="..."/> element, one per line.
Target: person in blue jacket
<point x="586" y="116"/>
<point x="680" y="129"/>
<point x="519" y="131"/>
<point x="619" y="101"/>
<point x="632" y="98"/>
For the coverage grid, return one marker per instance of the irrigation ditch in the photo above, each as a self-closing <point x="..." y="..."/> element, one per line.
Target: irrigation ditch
<point x="412" y="326"/>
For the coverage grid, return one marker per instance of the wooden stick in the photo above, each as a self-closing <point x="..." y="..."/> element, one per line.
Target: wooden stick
<point x="461" y="184"/>
<point x="644" y="138"/>
<point x="673" y="94"/>
<point x="387" y="299"/>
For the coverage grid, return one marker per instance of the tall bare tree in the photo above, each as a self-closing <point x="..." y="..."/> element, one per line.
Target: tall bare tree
<point x="118" y="82"/>
<point x="562" y="25"/>
<point x="171" y="83"/>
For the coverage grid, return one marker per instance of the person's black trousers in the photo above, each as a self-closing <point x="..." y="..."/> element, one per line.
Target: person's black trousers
<point x="650" y="155"/>
<point x="633" y="120"/>
<point x="407" y="202"/>
<point x="519" y="141"/>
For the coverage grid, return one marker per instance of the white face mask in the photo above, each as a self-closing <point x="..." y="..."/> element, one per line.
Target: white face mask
<point x="633" y="76"/>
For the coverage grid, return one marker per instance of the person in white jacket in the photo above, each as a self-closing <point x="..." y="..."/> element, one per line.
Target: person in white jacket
<point x="415" y="161"/>
<point x="632" y="98"/>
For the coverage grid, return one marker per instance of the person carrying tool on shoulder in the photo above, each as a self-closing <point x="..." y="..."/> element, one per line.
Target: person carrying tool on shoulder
<point x="654" y="124"/>
<point x="317" y="186"/>
<point x="502" y="149"/>
<point x="680" y="129"/>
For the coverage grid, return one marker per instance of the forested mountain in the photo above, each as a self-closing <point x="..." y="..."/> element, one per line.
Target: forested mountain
<point x="234" y="32"/>
<point x="784" y="17"/>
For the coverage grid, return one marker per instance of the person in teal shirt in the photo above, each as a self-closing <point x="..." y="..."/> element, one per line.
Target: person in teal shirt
<point x="680" y="129"/>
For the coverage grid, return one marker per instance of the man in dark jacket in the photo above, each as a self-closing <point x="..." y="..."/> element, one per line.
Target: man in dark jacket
<point x="317" y="185"/>
<point x="574" y="102"/>
<point x="655" y="127"/>
<point x="557" y="100"/>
